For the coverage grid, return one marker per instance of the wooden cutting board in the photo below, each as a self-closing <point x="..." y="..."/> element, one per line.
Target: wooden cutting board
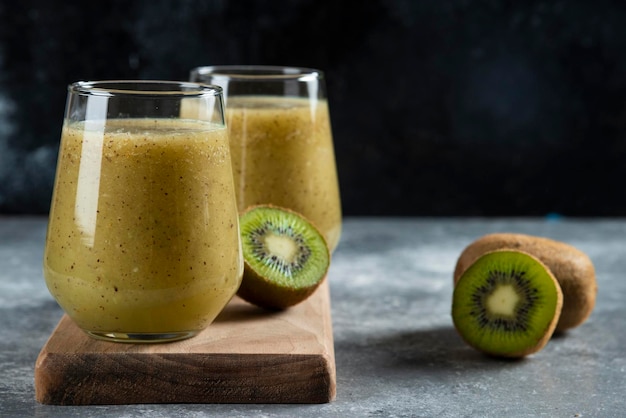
<point x="248" y="355"/>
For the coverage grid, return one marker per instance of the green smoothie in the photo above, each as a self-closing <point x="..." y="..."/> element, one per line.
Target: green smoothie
<point x="151" y="243"/>
<point x="282" y="153"/>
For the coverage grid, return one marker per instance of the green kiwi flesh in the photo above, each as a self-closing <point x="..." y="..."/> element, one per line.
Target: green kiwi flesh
<point x="285" y="257"/>
<point x="507" y="304"/>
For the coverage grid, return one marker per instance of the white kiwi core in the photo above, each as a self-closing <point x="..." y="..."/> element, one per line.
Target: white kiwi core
<point x="503" y="300"/>
<point x="281" y="246"/>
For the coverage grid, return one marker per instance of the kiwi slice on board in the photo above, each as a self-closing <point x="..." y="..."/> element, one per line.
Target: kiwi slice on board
<point x="285" y="257"/>
<point x="507" y="304"/>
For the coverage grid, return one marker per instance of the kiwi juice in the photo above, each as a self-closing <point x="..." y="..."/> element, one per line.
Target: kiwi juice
<point x="282" y="154"/>
<point x="153" y="243"/>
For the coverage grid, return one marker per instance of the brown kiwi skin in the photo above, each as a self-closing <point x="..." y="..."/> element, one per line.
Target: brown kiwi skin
<point x="572" y="268"/>
<point x="257" y="290"/>
<point x="550" y="329"/>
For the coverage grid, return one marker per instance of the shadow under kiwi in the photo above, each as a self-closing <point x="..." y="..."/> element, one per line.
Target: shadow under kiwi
<point x="437" y="350"/>
<point x="238" y="310"/>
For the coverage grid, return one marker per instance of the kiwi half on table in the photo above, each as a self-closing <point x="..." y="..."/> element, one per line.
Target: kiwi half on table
<point x="571" y="267"/>
<point x="285" y="257"/>
<point x="507" y="304"/>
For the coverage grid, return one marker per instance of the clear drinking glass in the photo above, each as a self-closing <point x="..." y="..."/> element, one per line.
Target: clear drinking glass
<point x="281" y="140"/>
<point x="143" y="236"/>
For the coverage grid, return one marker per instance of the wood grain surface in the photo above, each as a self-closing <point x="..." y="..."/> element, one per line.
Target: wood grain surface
<point x="248" y="355"/>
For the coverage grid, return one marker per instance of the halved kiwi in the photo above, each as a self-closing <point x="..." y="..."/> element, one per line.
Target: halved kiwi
<point x="285" y="257"/>
<point x="571" y="267"/>
<point x="507" y="304"/>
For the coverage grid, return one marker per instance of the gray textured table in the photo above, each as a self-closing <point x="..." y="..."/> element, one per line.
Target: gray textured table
<point x="397" y="353"/>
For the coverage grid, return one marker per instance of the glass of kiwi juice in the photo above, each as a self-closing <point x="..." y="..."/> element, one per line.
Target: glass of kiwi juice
<point x="281" y="140"/>
<point x="143" y="237"/>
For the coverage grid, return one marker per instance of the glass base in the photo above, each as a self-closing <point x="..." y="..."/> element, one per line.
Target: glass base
<point x="141" y="338"/>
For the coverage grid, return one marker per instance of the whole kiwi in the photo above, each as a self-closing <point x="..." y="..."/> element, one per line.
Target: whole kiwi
<point x="572" y="268"/>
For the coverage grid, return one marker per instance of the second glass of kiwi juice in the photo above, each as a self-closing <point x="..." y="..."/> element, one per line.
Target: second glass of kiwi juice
<point x="281" y="140"/>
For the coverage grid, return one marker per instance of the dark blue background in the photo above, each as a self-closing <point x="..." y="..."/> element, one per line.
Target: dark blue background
<point x="438" y="107"/>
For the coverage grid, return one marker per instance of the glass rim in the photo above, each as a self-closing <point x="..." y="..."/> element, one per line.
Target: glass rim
<point x="144" y="88"/>
<point x="258" y="72"/>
